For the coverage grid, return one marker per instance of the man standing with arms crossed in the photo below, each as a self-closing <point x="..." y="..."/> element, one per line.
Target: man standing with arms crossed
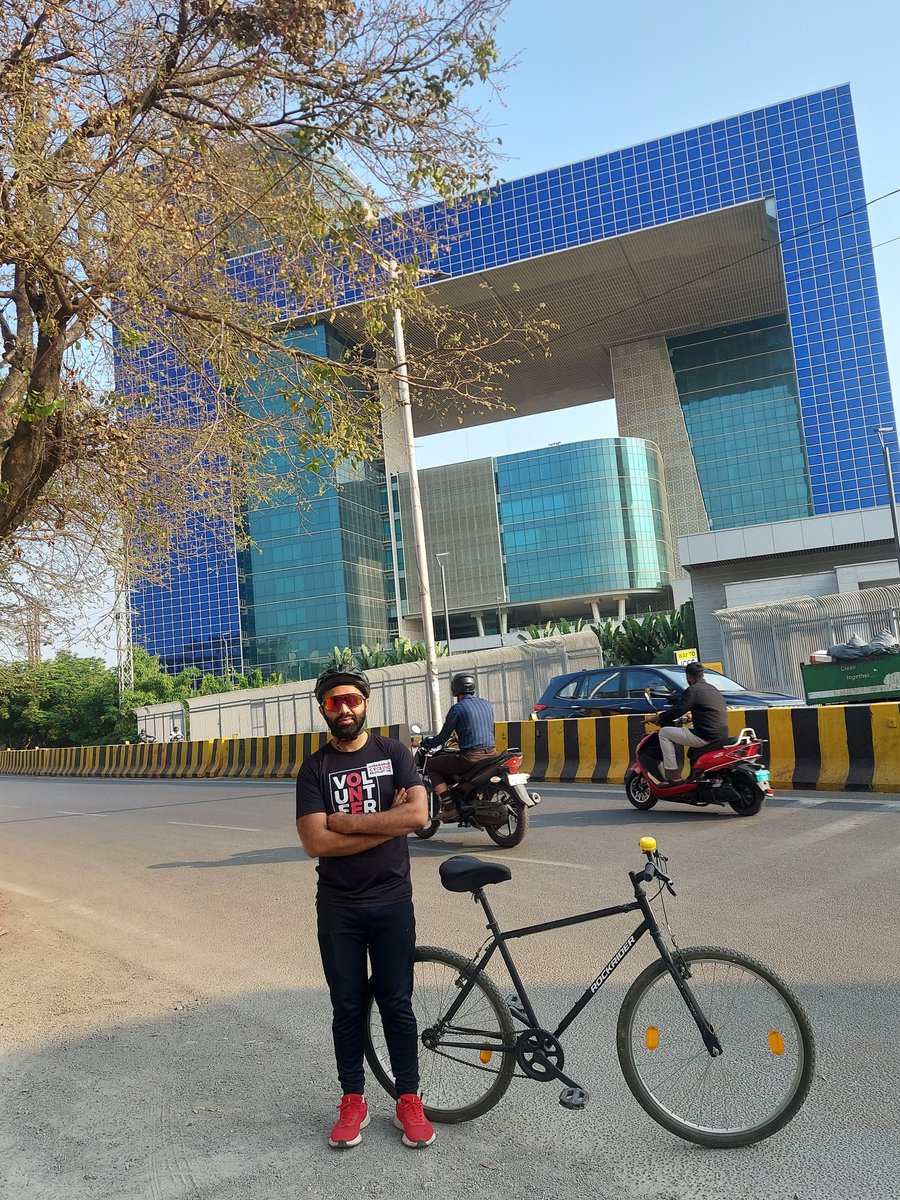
<point x="357" y="799"/>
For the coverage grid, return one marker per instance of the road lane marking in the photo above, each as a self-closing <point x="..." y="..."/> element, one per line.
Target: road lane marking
<point x="832" y="829"/>
<point x="99" y="918"/>
<point x="542" y="862"/>
<point x="69" y="812"/>
<point x="202" y="825"/>
<point x="24" y="891"/>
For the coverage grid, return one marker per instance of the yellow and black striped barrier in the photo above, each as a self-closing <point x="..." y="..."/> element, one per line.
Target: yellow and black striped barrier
<point x="852" y="747"/>
<point x="222" y="758"/>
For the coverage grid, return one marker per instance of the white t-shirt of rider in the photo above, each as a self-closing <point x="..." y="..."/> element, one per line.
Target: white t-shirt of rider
<point x="364" y="781"/>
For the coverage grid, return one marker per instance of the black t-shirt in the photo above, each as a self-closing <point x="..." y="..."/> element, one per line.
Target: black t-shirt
<point x="362" y="781"/>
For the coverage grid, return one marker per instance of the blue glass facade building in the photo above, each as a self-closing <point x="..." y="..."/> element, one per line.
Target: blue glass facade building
<point x="739" y="398"/>
<point x="314" y="575"/>
<point x="824" y="371"/>
<point x="583" y="519"/>
<point x="803" y="157"/>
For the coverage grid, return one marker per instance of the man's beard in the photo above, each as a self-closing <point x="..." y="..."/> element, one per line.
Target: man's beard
<point x="346" y="727"/>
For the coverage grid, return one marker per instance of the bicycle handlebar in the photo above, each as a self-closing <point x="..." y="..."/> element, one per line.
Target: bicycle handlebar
<point x="654" y="867"/>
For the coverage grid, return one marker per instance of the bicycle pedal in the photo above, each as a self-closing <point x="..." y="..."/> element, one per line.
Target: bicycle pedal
<point x="573" y="1097"/>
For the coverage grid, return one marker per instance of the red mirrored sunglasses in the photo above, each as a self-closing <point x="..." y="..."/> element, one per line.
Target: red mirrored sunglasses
<point x="336" y="703"/>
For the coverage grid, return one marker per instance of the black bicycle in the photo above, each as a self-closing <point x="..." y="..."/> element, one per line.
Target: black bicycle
<point x="713" y="1045"/>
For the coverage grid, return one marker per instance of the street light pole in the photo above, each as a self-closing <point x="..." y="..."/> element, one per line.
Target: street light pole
<point x="440" y="557"/>
<point x="892" y="498"/>
<point x="431" y="680"/>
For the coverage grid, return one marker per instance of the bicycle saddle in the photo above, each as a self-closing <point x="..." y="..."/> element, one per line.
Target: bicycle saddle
<point x="465" y="873"/>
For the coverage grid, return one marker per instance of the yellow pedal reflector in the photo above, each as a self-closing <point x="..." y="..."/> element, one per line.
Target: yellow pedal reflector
<point x="487" y="1055"/>
<point x="647" y="844"/>
<point x="651" y="1037"/>
<point x="776" y="1042"/>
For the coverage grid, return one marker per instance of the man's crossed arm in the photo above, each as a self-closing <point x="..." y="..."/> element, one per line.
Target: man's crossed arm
<point x="338" y="834"/>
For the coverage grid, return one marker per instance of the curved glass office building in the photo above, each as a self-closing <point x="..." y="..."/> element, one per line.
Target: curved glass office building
<point x="569" y="530"/>
<point x="584" y="519"/>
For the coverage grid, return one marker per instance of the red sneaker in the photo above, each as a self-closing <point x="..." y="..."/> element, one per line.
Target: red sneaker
<point x="410" y="1117"/>
<point x="353" y="1119"/>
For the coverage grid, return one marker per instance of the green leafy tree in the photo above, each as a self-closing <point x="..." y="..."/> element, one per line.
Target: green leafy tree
<point x="653" y="638"/>
<point x="64" y="702"/>
<point x="141" y="148"/>
<point x="552" y="629"/>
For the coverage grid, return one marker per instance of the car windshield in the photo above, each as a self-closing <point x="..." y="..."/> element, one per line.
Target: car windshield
<point x="722" y="682"/>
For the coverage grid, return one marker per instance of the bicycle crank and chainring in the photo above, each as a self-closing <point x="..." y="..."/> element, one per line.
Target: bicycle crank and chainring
<point x="539" y="1054"/>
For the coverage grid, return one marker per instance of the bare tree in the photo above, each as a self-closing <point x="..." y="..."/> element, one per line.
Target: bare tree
<point x="147" y="153"/>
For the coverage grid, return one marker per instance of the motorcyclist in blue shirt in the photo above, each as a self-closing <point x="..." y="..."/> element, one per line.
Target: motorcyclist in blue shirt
<point x="471" y="719"/>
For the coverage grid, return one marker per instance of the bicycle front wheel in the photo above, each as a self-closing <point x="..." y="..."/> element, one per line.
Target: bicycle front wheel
<point x="463" y="1070"/>
<point x="761" y="1078"/>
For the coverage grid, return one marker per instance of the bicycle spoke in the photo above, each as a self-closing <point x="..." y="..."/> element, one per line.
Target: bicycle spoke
<point x="465" y="1074"/>
<point x="764" y="1061"/>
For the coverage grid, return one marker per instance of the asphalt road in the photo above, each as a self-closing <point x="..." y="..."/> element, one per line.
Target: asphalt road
<point x="175" y="1041"/>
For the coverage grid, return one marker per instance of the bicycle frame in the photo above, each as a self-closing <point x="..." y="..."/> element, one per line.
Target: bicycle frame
<point x="648" y="925"/>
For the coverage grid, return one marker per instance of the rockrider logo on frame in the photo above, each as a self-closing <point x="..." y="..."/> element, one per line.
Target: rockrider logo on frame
<point x="356" y="791"/>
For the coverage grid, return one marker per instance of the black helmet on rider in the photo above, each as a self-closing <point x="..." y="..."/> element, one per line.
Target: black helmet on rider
<point x="334" y="676"/>
<point x="463" y="684"/>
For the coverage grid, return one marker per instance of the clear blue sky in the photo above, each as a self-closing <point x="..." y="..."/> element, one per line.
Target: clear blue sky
<point x="593" y="76"/>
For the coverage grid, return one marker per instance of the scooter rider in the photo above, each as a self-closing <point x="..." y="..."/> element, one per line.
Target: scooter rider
<point x="471" y="718"/>
<point x="709" y="720"/>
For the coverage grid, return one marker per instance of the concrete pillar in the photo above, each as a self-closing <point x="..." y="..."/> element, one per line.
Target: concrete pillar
<point x="620" y="609"/>
<point x="504" y="622"/>
<point x="648" y="406"/>
<point x="595" y="612"/>
<point x="396" y="462"/>
<point x="479" y="623"/>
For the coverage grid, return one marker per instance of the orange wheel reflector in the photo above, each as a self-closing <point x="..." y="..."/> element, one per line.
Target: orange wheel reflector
<point x="487" y="1055"/>
<point x="776" y="1042"/>
<point x="651" y="1037"/>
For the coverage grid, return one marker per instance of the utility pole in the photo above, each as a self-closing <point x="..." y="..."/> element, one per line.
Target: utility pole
<point x="32" y="628"/>
<point x="415" y="500"/>
<point x="892" y="497"/>
<point x="124" y="645"/>
<point x="440" y="557"/>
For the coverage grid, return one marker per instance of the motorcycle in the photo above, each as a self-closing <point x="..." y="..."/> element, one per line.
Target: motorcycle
<point x="724" y="772"/>
<point x="492" y="796"/>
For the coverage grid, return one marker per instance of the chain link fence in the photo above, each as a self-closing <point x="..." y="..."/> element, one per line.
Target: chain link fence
<point x="766" y="644"/>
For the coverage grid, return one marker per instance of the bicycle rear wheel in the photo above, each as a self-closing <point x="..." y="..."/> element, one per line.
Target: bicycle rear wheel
<point x="764" y="1072"/>
<point x="463" y="1073"/>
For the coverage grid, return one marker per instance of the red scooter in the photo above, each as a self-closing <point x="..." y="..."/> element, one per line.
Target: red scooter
<point x="725" y="772"/>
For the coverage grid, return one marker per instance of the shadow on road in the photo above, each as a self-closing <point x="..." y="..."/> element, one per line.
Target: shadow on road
<point x="247" y="858"/>
<point x="231" y="1099"/>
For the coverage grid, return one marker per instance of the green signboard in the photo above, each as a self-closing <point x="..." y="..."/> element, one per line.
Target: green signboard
<point x="863" y="679"/>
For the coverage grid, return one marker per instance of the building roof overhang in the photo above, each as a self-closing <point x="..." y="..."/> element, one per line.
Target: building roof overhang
<point x="681" y="277"/>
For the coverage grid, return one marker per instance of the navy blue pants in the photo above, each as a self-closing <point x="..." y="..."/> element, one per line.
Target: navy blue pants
<point x="348" y="938"/>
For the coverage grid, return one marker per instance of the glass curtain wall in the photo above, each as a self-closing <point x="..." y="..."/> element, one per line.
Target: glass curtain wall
<point x="314" y="576"/>
<point x="739" y="395"/>
<point x="584" y="519"/>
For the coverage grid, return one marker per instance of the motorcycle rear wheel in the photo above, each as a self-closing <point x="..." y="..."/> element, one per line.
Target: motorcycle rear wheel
<point x="637" y="789"/>
<point x="513" y="831"/>
<point x="750" y="798"/>
<point x="427" y="831"/>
